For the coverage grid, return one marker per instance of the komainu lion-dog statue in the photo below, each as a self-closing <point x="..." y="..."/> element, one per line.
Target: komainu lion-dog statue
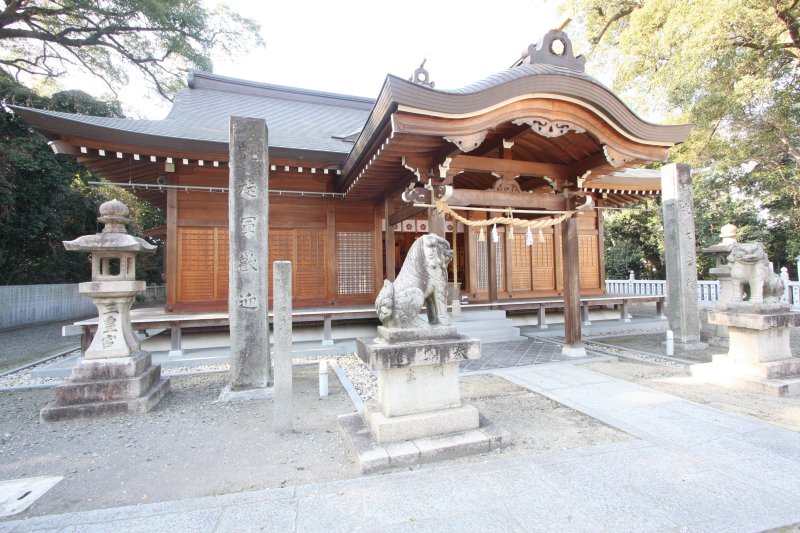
<point x="750" y="266"/>
<point x="422" y="280"/>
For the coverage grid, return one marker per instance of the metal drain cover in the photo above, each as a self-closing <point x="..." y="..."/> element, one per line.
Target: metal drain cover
<point x="16" y="495"/>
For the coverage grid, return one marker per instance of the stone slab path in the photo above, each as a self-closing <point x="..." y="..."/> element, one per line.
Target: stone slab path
<point x="692" y="468"/>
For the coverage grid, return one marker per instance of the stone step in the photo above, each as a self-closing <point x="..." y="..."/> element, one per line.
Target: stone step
<point x="486" y="325"/>
<point x="788" y="386"/>
<point x="496" y="323"/>
<point x="489" y="314"/>
<point x="501" y="336"/>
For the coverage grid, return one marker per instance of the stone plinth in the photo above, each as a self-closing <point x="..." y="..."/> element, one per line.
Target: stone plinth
<point x="759" y="355"/>
<point x="418" y="416"/>
<point x="418" y="390"/>
<point x="107" y="387"/>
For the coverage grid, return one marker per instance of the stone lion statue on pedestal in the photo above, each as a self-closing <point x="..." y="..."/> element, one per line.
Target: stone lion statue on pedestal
<point x="750" y="266"/>
<point x="422" y="280"/>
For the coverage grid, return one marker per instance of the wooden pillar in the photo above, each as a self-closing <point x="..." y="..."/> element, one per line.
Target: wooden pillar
<point x="573" y="345"/>
<point x="470" y="262"/>
<point x="509" y="266"/>
<point x="377" y="251"/>
<point x="436" y="223"/>
<point x="332" y="257"/>
<point x="389" y="245"/>
<point x="601" y="244"/>
<point x="171" y="255"/>
<point x="491" y="268"/>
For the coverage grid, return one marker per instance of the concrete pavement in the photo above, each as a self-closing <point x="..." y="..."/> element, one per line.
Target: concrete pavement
<point x="691" y="468"/>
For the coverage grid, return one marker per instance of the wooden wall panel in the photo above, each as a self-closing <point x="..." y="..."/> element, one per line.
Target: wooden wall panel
<point x="589" y="264"/>
<point x="543" y="263"/>
<point x="521" y="276"/>
<point x="197" y="265"/>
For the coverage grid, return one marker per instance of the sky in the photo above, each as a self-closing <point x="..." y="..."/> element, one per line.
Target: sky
<point x="349" y="46"/>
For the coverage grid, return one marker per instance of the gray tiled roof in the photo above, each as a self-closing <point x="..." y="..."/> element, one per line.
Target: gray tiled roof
<point x="297" y="119"/>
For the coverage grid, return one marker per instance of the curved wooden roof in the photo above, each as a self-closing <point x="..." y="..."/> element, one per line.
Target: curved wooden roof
<point x="544" y="114"/>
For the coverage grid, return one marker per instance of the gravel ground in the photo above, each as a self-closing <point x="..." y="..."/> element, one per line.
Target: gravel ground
<point x="189" y="445"/>
<point x="23" y="345"/>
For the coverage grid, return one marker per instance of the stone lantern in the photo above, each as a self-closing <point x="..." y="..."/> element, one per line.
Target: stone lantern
<point x="116" y="376"/>
<point x="722" y="271"/>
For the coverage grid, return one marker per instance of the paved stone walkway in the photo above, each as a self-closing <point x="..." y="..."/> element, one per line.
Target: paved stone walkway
<point x="692" y="468"/>
<point x="514" y="353"/>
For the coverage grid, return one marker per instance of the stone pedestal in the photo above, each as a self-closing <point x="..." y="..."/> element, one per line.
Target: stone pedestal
<point x="418" y="389"/>
<point x="107" y="387"/>
<point x="418" y="415"/>
<point x="759" y="356"/>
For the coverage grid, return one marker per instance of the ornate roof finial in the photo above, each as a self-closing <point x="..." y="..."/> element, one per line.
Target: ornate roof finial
<point x="555" y="48"/>
<point x="421" y="76"/>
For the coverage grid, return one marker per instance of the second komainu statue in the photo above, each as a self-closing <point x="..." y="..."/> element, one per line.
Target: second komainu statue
<point x="750" y="267"/>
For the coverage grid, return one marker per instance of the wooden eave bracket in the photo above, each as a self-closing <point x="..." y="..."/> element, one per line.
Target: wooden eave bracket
<point x="548" y="128"/>
<point x="468" y="142"/>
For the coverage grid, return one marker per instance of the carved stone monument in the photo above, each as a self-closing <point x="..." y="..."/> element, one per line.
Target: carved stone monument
<point x="418" y="415"/>
<point x="759" y="354"/>
<point x="248" y="208"/>
<point x="679" y="251"/>
<point x="116" y="376"/>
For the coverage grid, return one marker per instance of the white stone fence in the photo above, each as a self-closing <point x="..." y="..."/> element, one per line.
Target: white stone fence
<point x="707" y="291"/>
<point x="31" y="304"/>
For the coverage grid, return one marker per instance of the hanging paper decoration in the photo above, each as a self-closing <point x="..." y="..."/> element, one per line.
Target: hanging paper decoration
<point x="481" y="236"/>
<point x="528" y="237"/>
<point x="541" y="236"/>
<point x="495" y="238"/>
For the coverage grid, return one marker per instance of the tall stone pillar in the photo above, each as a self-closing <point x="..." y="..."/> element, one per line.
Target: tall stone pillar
<point x="251" y="373"/>
<point x="679" y="251"/>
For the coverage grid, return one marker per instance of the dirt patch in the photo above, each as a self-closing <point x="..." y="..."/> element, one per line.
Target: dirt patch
<point x="783" y="412"/>
<point x="190" y="446"/>
<point x="537" y="423"/>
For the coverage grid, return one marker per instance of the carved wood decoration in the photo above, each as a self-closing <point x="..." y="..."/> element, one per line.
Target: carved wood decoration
<point x="505" y="184"/>
<point x="467" y="143"/>
<point x="548" y="128"/>
<point x="616" y="158"/>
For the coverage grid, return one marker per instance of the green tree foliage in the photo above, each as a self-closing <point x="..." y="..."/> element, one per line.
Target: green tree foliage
<point x="110" y="38"/>
<point x="730" y="67"/>
<point x="633" y="241"/>
<point x="45" y="198"/>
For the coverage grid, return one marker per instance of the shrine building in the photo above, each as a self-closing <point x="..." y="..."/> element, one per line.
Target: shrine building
<point x="541" y="146"/>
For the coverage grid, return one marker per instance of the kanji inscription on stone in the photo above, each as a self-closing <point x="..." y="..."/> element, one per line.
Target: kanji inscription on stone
<point x="248" y="246"/>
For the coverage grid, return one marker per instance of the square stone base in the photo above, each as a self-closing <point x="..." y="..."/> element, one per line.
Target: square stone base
<point x="374" y="457"/>
<point x="108" y="387"/>
<point x="758" y="345"/>
<point x="419" y="425"/>
<point x="776" y="378"/>
<point x="55" y="413"/>
<point x="418" y="389"/>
